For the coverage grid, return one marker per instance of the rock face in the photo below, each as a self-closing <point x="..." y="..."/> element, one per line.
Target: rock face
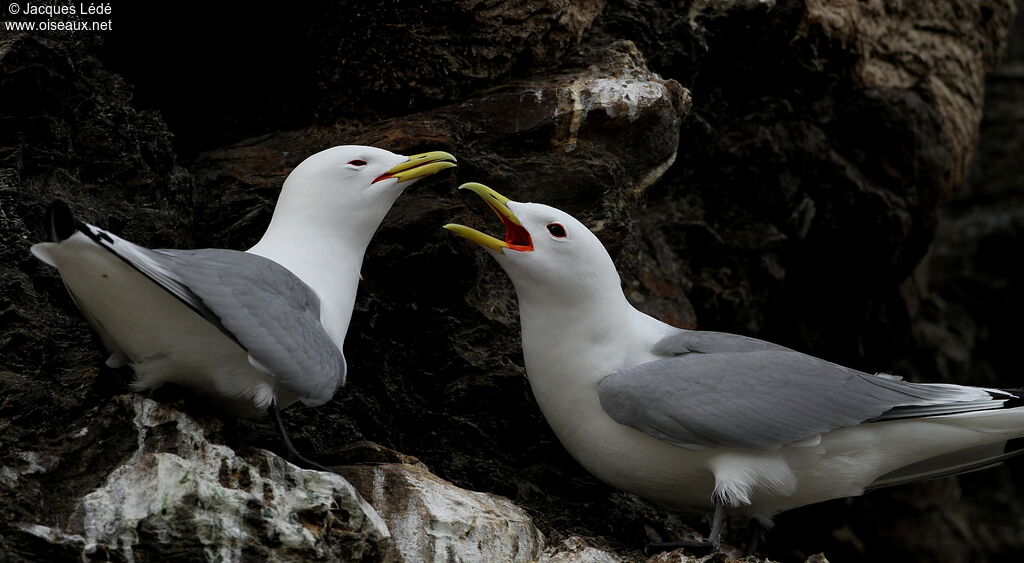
<point x="783" y="220"/>
<point x="777" y="169"/>
<point x="433" y="520"/>
<point x="178" y="495"/>
<point x="386" y="57"/>
<point x="971" y="273"/>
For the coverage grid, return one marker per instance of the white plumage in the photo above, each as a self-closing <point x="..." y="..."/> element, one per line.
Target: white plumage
<point x="693" y="419"/>
<point x="248" y="329"/>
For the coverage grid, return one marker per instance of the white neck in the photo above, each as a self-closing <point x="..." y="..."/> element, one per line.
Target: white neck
<point x="573" y="342"/>
<point x="326" y="252"/>
<point x="569" y="348"/>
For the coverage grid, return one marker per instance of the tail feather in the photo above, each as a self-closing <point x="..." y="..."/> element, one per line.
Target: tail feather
<point x="956" y="463"/>
<point x="1008" y="423"/>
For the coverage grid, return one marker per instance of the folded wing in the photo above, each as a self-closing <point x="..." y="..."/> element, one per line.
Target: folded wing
<point x="253" y="300"/>
<point x="724" y="390"/>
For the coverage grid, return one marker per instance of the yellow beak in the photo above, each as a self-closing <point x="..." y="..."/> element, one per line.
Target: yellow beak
<point x="420" y="165"/>
<point x="516" y="236"/>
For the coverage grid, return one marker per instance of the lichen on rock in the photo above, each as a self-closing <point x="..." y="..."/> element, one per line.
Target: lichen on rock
<point x="433" y="520"/>
<point x="178" y="493"/>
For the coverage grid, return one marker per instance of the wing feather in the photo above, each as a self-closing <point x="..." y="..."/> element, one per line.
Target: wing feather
<point x="256" y="302"/>
<point x="723" y="390"/>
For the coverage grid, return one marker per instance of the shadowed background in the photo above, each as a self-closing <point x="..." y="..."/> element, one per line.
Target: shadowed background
<point x="839" y="177"/>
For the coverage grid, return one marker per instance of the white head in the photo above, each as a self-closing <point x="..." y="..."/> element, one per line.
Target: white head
<point x="551" y="257"/>
<point x="329" y="208"/>
<point x="348" y="190"/>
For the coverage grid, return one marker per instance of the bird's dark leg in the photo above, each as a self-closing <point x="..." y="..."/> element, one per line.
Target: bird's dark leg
<point x="758" y="534"/>
<point x="712" y="543"/>
<point x="302" y="461"/>
<point x="717" y="520"/>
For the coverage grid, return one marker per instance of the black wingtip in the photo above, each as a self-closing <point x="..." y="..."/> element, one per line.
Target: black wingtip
<point x="60" y="220"/>
<point x="1016" y="401"/>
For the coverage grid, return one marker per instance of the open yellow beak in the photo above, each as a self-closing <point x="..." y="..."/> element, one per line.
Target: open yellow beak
<point x="516" y="236"/>
<point x="419" y="165"/>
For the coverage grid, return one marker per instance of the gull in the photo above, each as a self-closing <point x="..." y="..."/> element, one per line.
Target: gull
<point x="710" y="420"/>
<point x="255" y="330"/>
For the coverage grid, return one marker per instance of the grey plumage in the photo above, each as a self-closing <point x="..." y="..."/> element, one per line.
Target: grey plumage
<point x="253" y="300"/>
<point x="271" y="313"/>
<point x="693" y="398"/>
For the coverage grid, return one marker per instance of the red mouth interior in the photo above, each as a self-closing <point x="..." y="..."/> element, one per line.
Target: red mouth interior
<point x="516" y="237"/>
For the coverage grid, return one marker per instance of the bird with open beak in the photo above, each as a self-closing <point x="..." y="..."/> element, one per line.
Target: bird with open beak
<point x="695" y="419"/>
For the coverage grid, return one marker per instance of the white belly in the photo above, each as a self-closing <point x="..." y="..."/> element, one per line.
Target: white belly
<point x="623" y="457"/>
<point x="757" y="483"/>
<point x="158" y="335"/>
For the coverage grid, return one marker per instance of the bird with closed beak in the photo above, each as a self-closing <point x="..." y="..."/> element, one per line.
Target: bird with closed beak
<point x="255" y="330"/>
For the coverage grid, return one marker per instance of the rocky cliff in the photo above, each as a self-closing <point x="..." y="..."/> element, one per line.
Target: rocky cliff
<point x="799" y="171"/>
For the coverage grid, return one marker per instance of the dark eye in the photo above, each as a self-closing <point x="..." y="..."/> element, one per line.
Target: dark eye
<point x="357" y="162"/>
<point x="557" y="230"/>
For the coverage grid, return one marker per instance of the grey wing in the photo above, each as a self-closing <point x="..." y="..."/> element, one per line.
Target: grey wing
<point x="253" y="300"/>
<point x="272" y="313"/>
<point x="723" y="390"/>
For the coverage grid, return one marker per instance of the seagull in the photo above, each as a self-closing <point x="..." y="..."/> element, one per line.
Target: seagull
<point x="255" y="330"/>
<point x="710" y="420"/>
